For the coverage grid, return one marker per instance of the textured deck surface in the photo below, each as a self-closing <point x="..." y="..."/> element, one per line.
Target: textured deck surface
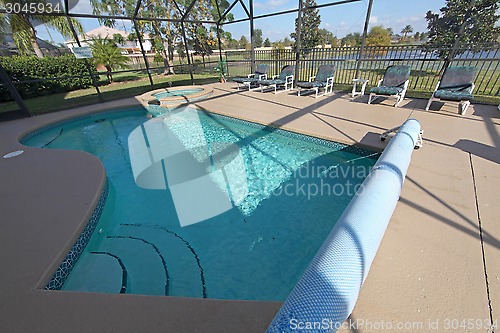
<point x="433" y="265"/>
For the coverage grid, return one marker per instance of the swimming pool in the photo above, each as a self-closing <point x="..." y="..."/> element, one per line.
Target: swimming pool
<point x="202" y="205"/>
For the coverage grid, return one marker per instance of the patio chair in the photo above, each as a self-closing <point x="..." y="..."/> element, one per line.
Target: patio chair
<point x="394" y="84"/>
<point x="285" y="79"/>
<point x="456" y="85"/>
<point x="323" y="79"/>
<point x="253" y="79"/>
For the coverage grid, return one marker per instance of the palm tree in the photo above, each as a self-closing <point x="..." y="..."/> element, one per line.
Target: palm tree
<point x="406" y="30"/>
<point x="24" y="33"/>
<point x="106" y="53"/>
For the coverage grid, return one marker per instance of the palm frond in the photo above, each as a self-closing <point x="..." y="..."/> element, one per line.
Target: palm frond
<point x="60" y="23"/>
<point x="21" y="34"/>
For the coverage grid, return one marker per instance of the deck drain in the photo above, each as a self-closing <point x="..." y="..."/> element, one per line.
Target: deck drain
<point x="13" y="154"/>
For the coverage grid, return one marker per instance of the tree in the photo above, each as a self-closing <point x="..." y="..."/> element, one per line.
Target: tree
<point x="309" y="33"/>
<point x="327" y="37"/>
<point x="233" y="44"/>
<point x="165" y="35"/>
<point x="23" y="29"/>
<point x="267" y="42"/>
<point x="378" y="36"/>
<point x="257" y="37"/>
<point x="352" y="39"/>
<point x="162" y="33"/>
<point x="287" y="42"/>
<point x="406" y="30"/>
<point x="106" y="53"/>
<point x="202" y="40"/>
<point x="243" y="43"/>
<point x="416" y="37"/>
<point x="478" y="22"/>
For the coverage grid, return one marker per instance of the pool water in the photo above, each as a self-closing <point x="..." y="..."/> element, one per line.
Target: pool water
<point x="179" y="92"/>
<point x="202" y="205"/>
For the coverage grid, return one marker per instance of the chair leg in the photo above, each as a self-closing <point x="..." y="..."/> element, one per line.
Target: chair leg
<point x="462" y="107"/>
<point x="316" y="89"/>
<point x="398" y="100"/>
<point x="429" y="104"/>
<point x="370" y="98"/>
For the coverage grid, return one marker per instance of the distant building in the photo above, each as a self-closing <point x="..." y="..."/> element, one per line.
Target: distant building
<point x="128" y="47"/>
<point x="395" y="39"/>
<point x="9" y="48"/>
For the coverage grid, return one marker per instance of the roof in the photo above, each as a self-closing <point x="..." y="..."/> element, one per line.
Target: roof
<point x="102" y="32"/>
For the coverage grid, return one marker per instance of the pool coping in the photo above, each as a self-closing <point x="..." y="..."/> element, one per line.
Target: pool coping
<point x="148" y="98"/>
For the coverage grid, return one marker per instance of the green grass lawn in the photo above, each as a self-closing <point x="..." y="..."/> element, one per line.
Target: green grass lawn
<point x="130" y="84"/>
<point x="126" y="85"/>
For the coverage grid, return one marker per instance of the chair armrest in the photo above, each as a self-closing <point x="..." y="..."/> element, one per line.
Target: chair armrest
<point x="329" y="81"/>
<point x="311" y="78"/>
<point x="263" y="77"/>
<point x="405" y="85"/>
<point x="379" y="82"/>
<point x="289" y="78"/>
<point x="472" y="88"/>
<point x="250" y="75"/>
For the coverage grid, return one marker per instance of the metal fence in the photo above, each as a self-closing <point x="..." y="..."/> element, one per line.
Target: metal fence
<point x="426" y="64"/>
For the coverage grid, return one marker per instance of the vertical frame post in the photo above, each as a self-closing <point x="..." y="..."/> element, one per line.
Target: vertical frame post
<point x="4" y="77"/>
<point x="363" y="39"/>
<point x="297" y="41"/>
<point x="187" y="52"/>
<point x="252" y="39"/>
<point x="75" y="36"/>
<point x="139" y="37"/>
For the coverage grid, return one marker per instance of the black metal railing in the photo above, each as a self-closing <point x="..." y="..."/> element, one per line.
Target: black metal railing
<point x="426" y="63"/>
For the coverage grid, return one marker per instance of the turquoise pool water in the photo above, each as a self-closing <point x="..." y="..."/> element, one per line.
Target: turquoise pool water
<point x="179" y="92"/>
<point x="202" y="205"/>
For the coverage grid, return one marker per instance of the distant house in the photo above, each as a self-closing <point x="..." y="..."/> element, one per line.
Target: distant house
<point x="128" y="47"/>
<point x="395" y="39"/>
<point x="9" y="48"/>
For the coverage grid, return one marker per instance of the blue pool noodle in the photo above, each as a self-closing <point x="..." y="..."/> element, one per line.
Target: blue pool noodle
<point x="327" y="291"/>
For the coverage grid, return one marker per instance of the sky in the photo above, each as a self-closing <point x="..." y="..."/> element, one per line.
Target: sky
<point x="339" y="19"/>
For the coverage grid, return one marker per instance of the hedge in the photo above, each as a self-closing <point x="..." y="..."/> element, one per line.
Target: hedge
<point x="21" y="68"/>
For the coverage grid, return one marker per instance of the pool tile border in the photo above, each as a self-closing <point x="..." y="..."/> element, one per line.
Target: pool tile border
<point x="67" y="265"/>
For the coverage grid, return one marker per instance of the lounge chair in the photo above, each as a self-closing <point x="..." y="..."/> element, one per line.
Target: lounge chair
<point x="285" y="79"/>
<point x="253" y="79"/>
<point x="456" y="85"/>
<point x="323" y="79"/>
<point x="394" y="84"/>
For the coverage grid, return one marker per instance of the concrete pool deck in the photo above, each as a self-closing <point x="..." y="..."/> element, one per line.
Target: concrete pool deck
<point x="433" y="265"/>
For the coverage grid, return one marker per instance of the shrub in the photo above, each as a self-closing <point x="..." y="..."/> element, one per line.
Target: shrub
<point x="23" y="68"/>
